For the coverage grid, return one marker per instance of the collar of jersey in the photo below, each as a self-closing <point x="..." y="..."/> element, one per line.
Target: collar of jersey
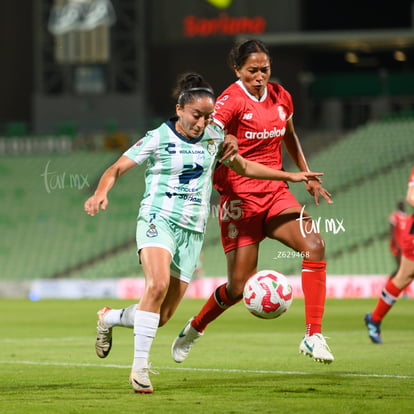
<point x="252" y="97"/>
<point x="171" y="124"/>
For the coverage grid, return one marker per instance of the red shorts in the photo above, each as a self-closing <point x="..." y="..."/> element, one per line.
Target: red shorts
<point x="243" y="217"/>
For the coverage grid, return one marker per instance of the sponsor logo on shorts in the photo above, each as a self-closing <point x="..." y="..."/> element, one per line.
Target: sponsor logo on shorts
<point x="152" y="231"/>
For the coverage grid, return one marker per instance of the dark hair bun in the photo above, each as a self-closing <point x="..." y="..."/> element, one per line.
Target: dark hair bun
<point x="190" y="85"/>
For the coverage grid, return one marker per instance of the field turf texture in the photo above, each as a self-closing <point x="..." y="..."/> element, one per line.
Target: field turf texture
<point x="241" y="365"/>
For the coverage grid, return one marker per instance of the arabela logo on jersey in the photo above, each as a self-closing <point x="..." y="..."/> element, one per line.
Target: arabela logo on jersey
<point x="265" y="134"/>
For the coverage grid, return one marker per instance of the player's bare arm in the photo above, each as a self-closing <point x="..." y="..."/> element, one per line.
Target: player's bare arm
<point x="294" y="148"/>
<point x="254" y="169"/>
<point x="229" y="149"/>
<point x="410" y="195"/>
<point x="99" y="200"/>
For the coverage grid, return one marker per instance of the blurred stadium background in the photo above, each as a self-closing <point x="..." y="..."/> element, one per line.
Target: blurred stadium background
<point x="83" y="79"/>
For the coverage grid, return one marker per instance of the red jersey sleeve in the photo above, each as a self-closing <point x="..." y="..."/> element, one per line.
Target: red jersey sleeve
<point x="229" y="106"/>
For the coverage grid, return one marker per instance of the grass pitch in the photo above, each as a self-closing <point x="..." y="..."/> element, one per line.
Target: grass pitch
<point x="241" y="365"/>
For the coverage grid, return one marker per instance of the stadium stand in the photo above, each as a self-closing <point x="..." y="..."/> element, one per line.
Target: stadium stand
<point x="46" y="234"/>
<point x="44" y="229"/>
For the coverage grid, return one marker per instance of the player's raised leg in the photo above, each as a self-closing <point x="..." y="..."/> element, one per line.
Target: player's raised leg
<point x="107" y="319"/>
<point x="286" y="227"/>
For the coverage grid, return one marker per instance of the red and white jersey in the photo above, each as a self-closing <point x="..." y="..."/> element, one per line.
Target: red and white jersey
<point x="400" y="222"/>
<point x="259" y="126"/>
<point x="403" y="225"/>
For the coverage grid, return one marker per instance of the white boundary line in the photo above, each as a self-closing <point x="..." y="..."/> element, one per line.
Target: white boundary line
<point x="55" y="339"/>
<point x="248" y="371"/>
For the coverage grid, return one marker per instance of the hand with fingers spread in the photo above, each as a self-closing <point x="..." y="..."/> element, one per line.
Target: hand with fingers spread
<point x="307" y="176"/>
<point x="314" y="187"/>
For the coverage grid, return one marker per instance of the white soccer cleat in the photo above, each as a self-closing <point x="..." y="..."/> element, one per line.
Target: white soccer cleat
<point x="139" y="379"/>
<point x="185" y="340"/>
<point x="316" y="347"/>
<point x="103" y="342"/>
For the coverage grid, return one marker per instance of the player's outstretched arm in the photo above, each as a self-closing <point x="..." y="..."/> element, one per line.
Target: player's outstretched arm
<point x="410" y="195"/>
<point x="294" y="149"/>
<point x="108" y="179"/>
<point x="254" y="169"/>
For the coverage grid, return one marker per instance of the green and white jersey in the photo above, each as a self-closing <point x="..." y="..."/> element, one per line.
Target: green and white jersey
<point x="178" y="176"/>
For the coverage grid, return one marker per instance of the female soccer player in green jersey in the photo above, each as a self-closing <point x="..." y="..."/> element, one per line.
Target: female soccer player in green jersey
<point x="181" y="155"/>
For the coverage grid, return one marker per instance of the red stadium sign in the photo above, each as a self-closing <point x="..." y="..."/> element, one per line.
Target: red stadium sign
<point x="222" y="25"/>
<point x="192" y="21"/>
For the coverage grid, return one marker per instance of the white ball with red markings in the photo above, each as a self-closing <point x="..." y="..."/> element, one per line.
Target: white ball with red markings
<point x="267" y="294"/>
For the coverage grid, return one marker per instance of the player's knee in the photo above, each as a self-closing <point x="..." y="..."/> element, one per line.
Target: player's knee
<point x="156" y="291"/>
<point x="315" y="248"/>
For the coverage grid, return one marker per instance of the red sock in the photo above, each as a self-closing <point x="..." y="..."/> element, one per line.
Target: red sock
<point x="388" y="297"/>
<point x="216" y="304"/>
<point x="314" y="291"/>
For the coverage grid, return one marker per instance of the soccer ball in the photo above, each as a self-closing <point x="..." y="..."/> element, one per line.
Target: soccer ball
<point x="267" y="294"/>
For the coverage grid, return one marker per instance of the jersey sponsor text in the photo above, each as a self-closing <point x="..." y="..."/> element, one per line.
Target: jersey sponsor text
<point x="265" y="134"/>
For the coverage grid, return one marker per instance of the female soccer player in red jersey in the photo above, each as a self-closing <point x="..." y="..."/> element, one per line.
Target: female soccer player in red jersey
<point x="402" y="278"/>
<point x="259" y="113"/>
<point x="399" y="220"/>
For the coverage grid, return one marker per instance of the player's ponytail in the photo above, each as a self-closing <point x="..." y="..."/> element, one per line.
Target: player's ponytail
<point x="189" y="86"/>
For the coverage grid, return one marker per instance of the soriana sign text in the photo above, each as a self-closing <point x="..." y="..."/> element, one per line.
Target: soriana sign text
<point x="222" y="25"/>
